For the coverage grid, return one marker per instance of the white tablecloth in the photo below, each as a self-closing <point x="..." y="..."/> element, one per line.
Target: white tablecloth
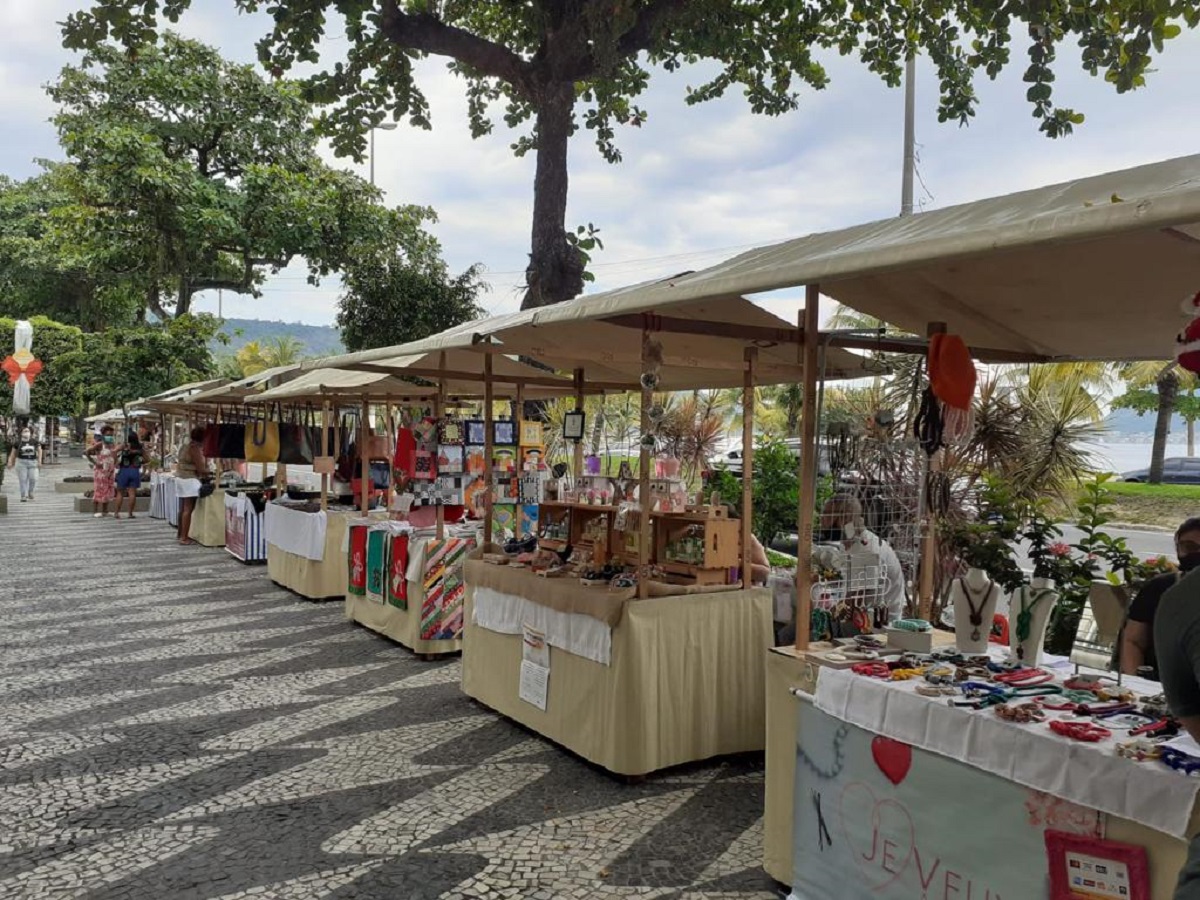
<point x="1088" y="774"/>
<point x="573" y="632"/>
<point x="292" y="531"/>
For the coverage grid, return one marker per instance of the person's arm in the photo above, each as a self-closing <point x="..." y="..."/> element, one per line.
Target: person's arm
<point x="758" y="555"/>
<point x="1135" y="644"/>
<point x="12" y="458"/>
<point x="198" y="460"/>
<point x="39" y="456"/>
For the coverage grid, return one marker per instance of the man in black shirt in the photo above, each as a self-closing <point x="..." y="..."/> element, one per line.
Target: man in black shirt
<point x="1137" y="641"/>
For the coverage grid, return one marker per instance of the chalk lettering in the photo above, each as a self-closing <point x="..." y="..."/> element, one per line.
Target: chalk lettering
<point x="926" y="880"/>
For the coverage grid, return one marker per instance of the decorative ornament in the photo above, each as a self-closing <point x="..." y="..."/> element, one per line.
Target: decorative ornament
<point x="656" y="413"/>
<point x="652" y="354"/>
<point x="893" y="758"/>
<point x="649" y="380"/>
<point x="22" y="367"/>
<point x="1187" y="343"/>
<point x="952" y="379"/>
<point x="649" y="442"/>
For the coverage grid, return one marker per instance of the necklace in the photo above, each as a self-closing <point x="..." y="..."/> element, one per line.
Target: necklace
<point x="1025" y="616"/>
<point x="839" y="757"/>
<point x="976" y="611"/>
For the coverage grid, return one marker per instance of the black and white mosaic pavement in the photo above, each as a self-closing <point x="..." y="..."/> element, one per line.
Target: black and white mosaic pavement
<point x="172" y="725"/>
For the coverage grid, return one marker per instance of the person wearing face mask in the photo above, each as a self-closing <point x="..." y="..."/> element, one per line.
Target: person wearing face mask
<point x="842" y="527"/>
<point x="26" y="458"/>
<point x="103" y="458"/>
<point x="1137" y="639"/>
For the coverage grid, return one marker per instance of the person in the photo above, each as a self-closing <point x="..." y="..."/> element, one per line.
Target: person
<point x="130" y="460"/>
<point x="190" y="467"/>
<point x="760" y="566"/>
<point x="1137" y="637"/>
<point x="1177" y="649"/>
<point x="102" y="456"/>
<point x="26" y="458"/>
<point x="841" y="524"/>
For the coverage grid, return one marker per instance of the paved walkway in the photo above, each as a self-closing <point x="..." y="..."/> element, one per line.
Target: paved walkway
<point x="175" y="727"/>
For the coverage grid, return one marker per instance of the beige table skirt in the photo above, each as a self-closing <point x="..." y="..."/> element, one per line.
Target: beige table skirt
<point x="323" y="579"/>
<point x="785" y="671"/>
<point x="685" y="682"/>
<point x="401" y="625"/>
<point x="208" y="520"/>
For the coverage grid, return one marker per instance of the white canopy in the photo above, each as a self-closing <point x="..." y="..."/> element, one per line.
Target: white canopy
<point x="1090" y="269"/>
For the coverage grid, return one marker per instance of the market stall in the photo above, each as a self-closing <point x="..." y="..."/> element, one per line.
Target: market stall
<point x="1093" y="269"/>
<point x="245" y="538"/>
<point x="647" y="672"/>
<point x="208" y="520"/>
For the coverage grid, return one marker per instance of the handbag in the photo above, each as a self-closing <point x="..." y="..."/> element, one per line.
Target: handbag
<point x="375" y="445"/>
<point x="231" y="441"/>
<point x="294" y="448"/>
<point x="322" y="464"/>
<point x="209" y="446"/>
<point x="262" y="441"/>
<point x="347" y="451"/>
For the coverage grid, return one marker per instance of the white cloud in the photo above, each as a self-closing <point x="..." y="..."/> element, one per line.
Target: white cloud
<point x="698" y="183"/>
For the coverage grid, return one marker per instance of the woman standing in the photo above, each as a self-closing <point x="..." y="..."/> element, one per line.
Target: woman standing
<point x="26" y="458"/>
<point x="129" y="472"/>
<point x="189" y="469"/>
<point x="103" y="458"/>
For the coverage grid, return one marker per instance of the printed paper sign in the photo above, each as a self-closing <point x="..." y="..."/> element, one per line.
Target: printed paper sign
<point x="534" y="648"/>
<point x="534" y="683"/>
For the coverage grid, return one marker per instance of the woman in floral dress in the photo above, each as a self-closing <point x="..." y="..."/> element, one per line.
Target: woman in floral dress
<point x="103" y="457"/>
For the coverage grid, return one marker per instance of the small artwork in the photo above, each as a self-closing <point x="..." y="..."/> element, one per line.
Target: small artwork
<point x="476" y="462"/>
<point x="527" y="519"/>
<point x="504" y="459"/>
<point x="426" y="465"/>
<point x="450" y="459"/>
<point x="504" y="522"/>
<point x="531" y="459"/>
<point x="425" y="431"/>
<point x="573" y="425"/>
<point x="504" y="432"/>
<point x="450" y="431"/>
<point x="1086" y="868"/>
<point x="475" y="432"/>
<point x="531" y="433"/>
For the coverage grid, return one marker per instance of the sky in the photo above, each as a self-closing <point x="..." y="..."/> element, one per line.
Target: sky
<point x="698" y="183"/>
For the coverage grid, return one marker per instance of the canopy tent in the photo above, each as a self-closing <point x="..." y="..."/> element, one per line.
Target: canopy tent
<point x="339" y="384"/>
<point x="117" y="414"/>
<point x="238" y="391"/>
<point x="704" y="347"/>
<point x="176" y="399"/>
<point x="1089" y="269"/>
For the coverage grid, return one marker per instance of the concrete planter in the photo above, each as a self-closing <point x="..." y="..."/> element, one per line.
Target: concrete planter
<point x="84" y="505"/>
<point x="3" y="504"/>
<point x="72" y="487"/>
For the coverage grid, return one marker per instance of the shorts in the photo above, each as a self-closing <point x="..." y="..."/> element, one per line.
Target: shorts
<point x="129" y="478"/>
<point x="187" y="487"/>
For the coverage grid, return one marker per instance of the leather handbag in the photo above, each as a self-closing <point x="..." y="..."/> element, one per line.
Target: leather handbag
<point x="262" y="441"/>
<point x="294" y="448"/>
<point x="231" y="440"/>
<point x="375" y="444"/>
<point x="347" y="451"/>
<point x="211" y="442"/>
<point x="323" y="463"/>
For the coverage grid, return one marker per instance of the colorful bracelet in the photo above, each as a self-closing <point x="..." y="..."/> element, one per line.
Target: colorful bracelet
<point x="1024" y="677"/>
<point x="916" y="625"/>
<point x="1180" y="761"/>
<point x="1139" y="750"/>
<point x="872" y="670"/>
<point x="1022" y="714"/>
<point x="1080" y="731"/>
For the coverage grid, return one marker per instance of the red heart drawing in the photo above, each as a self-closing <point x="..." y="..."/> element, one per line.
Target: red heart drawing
<point x="893" y="758"/>
<point x="869" y="826"/>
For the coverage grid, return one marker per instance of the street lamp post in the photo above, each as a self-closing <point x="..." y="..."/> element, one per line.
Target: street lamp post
<point x="386" y="126"/>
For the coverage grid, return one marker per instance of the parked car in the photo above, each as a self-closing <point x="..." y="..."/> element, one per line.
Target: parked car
<point x="732" y="461"/>
<point x="1176" y="470"/>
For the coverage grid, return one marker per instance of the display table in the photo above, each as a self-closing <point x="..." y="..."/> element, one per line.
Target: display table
<point x="163" y="502"/>
<point x="683" y="679"/>
<point x="304" y="551"/>
<point x="244" y="537"/>
<point x="1024" y="747"/>
<point x="409" y="586"/>
<point x="208" y="520"/>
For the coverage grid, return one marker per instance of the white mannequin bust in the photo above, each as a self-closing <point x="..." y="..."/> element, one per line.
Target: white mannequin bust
<point x="1039" y="598"/>
<point x="974" y="596"/>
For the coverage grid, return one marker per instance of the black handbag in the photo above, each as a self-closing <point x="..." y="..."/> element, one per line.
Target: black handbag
<point x="231" y="441"/>
<point x="294" y="447"/>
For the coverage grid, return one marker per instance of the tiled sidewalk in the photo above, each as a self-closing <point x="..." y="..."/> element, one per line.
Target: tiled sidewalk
<point x="172" y="725"/>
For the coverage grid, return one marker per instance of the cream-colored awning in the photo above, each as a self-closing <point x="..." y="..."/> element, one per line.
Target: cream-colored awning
<point x="457" y="365"/>
<point x="238" y="391"/>
<point x="1091" y="269"/>
<point x="602" y="334"/>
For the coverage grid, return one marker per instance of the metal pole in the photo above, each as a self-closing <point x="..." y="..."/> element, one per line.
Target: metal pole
<point x="808" y="470"/>
<point x="910" y="140"/>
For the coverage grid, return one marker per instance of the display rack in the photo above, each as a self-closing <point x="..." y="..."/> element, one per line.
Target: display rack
<point x="697" y="546"/>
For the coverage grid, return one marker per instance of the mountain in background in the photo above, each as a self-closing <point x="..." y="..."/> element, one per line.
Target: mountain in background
<point x="318" y="340"/>
<point x="1127" y="422"/>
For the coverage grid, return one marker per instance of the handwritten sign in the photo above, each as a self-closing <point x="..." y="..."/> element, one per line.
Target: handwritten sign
<point x="881" y="820"/>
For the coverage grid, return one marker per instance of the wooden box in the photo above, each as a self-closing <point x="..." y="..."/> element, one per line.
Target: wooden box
<point x="703" y="546"/>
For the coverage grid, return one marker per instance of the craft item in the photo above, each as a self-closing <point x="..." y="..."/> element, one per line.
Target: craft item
<point x="872" y="670"/>
<point x="1023" y="677"/>
<point x="1158" y="728"/>
<point x="912" y="625"/>
<point x="1187" y="343"/>
<point x="1022" y="714"/>
<point x="1036" y="690"/>
<point x="1139" y="750"/>
<point x="450" y="431"/>
<point x="1124" y="721"/>
<point x="976" y="607"/>
<point x="1027" y="605"/>
<point x="906" y="674"/>
<point x="936" y="690"/>
<point x="1180" y="761"/>
<point x="1080" y="731"/>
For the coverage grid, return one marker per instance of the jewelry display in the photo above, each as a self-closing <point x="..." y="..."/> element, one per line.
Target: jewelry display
<point x="976" y="607"/>
<point x="1139" y="750"/>
<point x="1088" y="732"/>
<point x="915" y="625"/>
<point x="1022" y="714"/>
<point x="1027" y="605"/>
<point x="1024" y="677"/>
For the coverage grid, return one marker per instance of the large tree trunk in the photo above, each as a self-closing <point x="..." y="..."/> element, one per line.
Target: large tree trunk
<point x="555" y="270"/>
<point x="1168" y="387"/>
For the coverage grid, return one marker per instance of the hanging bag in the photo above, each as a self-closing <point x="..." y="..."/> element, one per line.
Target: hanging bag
<point x="347" y="451"/>
<point x="262" y="440"/>
<point x="231" y="440"/>
<point x="294" y="448"/>
<point x="211" y="442"/>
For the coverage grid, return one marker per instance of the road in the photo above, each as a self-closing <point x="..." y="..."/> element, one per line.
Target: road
<point x="1142" y="543"/>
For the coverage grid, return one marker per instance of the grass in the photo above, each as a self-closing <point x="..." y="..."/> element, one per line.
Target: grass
<point x="1162" y="505"/>
<point x="780" y="560"/>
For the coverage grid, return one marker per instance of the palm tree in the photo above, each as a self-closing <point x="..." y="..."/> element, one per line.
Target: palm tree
<point x="283" y="350"/>
<point x="1156" y="386"/>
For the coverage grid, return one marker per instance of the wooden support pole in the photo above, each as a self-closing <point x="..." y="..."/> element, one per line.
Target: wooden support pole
<point x="578" y="460"/>
<point x="364" y="432"/>
<point x="488" y="449"/>
<point x="748" y="465"/>
<point x="644" y="501"/>
<point x="438" y="410"/>
<point x="325" y="448"/>
<point x="928" y="564"/>
<point x="808" y="469"/>
<point x="391" y="424"/>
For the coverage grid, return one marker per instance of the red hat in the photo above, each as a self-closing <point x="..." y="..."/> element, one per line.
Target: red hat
<point x="1187" y="343"/>
<point x="951" y="371"/>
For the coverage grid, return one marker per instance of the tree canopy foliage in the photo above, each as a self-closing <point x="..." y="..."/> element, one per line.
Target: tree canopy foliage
<point x="556" y="64"/>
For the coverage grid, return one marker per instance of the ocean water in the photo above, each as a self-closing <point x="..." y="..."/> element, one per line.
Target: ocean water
<point x="1126" y="457"/>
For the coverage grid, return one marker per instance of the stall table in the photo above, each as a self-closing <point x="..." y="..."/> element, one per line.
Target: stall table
<point x="208" y="520"/>
<point x="305" y="550"/>
<point x="245" y="540"/>
<point x="1144" y="790"/>
<point x="411" y="590"/>
<point x="633" y="685"/>
<point x="163" y="502"/>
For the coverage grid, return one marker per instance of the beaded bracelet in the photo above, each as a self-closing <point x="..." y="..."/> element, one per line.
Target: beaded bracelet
<point x="1022" y="714"/>
<point x="912" y="625"/>
<point x="1123" y="694"/>
<point x="872" y="670"/>
<point x="906" y="674"/>
<point x="937" y="690"/>
<point x="1180" y="761"/>
<point x="939" y="675"/>
<point x="1024" y="677"/>
<point x="969" y="673"/>
<point x="1080" y="731"/>
<point x="1139" y="750"/>
<point x="1124" y="721"/>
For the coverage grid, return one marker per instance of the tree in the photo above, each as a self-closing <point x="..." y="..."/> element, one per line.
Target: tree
<point x="543" y="58"/>
<point x="1165" y="390"/>
<point x="254" y="357"/>
<point x="191" y="173"/>
<point x="392" y="301"/>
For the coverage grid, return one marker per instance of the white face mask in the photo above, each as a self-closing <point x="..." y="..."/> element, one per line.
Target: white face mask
<point x="25" y="435"/>
<point x="849" y="530"/>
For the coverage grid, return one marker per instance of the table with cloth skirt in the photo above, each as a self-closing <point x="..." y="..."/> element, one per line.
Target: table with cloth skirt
<point x="416" y="596"/>
<point x="164" y="504"/>
<point x="208" y="520"/>
<point x="245" y="539"/>
<point x="787" y="669"/>
<point x="683" y="682"/>
<point x="305" y="551"/>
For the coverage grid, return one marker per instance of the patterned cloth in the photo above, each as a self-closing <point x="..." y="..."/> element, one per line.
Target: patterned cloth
<point x="104" y="487"/>
<point x="442" y="607"/>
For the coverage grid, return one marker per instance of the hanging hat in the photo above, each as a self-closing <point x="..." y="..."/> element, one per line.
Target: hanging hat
<point x="1187" y="344"/>
<point x="951" y="371"/>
